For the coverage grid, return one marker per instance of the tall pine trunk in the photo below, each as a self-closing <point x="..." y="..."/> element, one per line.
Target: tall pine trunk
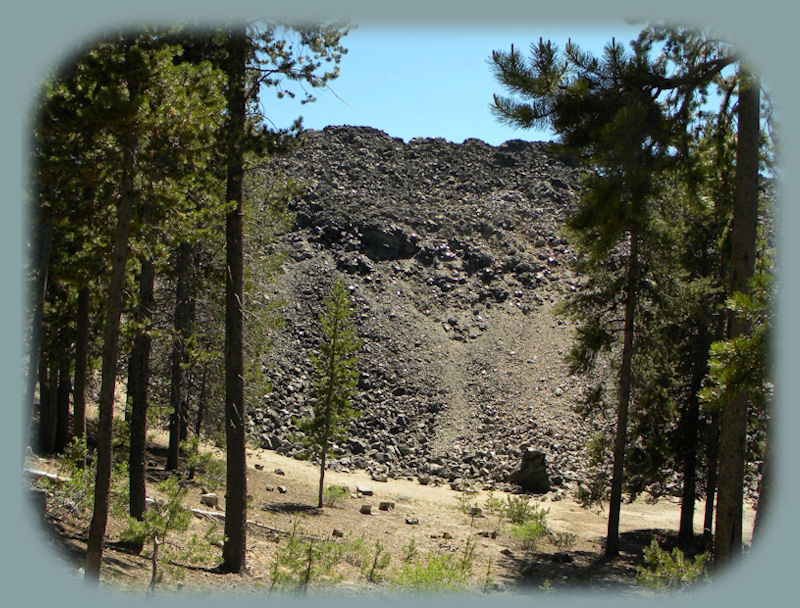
<point x="62" y="393"/>
<point x="689" y="465"/>
<point x="47" y="404"/>
<point x="623" y="400"/>
<point x="138" y="380"/>
<point x="184" y="316"/>
<point x="201" y="402"/>
<point x="328" y="412"/>
<point x="690" y="421"/>
<point x="81" y="358"/>
<point x="119" y="256"/>
<point x="41" y="262"/>
<point x="233" y="551"/>
<point x="712" y="468"/>
<point x="733" y="424"/>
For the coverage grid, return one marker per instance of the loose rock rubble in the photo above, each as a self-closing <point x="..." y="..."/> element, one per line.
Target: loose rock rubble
<point x="454" y="261"/>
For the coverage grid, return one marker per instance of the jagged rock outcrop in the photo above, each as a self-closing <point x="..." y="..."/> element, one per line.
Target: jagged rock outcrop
<point x="531" y="474"/>
<point x="454" y="260"/>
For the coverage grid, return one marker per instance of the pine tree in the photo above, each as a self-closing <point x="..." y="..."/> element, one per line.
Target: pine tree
<point x="251" y="57"/>
<point x="337" y="378"/>
<point x="633" y="119"/>
<point x="733" y="424"/>
<point x="743" y="364"/>
<point x="617" y="128"/>
<point x="133" y="63"/>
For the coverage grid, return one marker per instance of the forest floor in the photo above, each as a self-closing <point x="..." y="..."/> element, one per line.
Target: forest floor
<point x="500" y="564"/>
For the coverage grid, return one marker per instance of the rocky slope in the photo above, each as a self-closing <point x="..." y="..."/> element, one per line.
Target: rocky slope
<point x="454" y="261"/>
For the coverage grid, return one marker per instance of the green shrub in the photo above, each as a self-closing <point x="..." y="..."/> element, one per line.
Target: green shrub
<point x="493" y="504"/>
<point x="563" y="540"/>
<point x="437" y="572"/>
<point x="164" y="516"/>
<point x="594" y="493"/>
<point x="334" y="493"/>
<point x="410" y="551"/>
<point x="520" y="511"/>
<point x="466" y="501"/>
<point x="75" y="495"/>
<point x="303" y="562"/>
<point x="530" y="533"/>
<point x="206" y="470"/>
<point x="665" y="570"/>
<point x="356" y="551"/>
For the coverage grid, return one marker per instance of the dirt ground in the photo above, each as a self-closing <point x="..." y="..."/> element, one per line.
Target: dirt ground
<point x="500" y="563"/>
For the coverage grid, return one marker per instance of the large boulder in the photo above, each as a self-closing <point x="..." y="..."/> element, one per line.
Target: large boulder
<point x="531" y="473"/>
<point x="379" y="243"/>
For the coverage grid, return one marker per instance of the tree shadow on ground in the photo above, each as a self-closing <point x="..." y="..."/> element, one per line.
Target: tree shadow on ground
<point x="69" y="544"/>
<point x="291" y="508"/>
<point x="583" y="570"/>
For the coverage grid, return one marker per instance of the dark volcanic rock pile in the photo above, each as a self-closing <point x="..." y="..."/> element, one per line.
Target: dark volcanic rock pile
<point x="454" y="261"/>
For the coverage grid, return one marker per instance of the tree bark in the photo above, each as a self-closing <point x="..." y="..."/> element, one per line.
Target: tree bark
<point x="201" y="402"/>
<point x="764" y="489"/>
<point x="97" y="527"/>
<point x="322" y="476"/>
<point x="81" y="358"/>
<point x="47" y="404"/>
<point x="623" y="399"/>
<point x="690" y="421"/>
<point x="138" y="380"/>
<point x="733" y="426"/>
<point x="184" y="313"/>
<point x="712" y="465"/>
<point x="38" y="292"/>
<point x="328" y="413"/>
<point x="62" y="394"/>
<point x="233" y="551"/>
<point x="689" y="493"/>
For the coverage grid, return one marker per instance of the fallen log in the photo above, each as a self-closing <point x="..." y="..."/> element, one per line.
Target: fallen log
<point x="37" y="474"/>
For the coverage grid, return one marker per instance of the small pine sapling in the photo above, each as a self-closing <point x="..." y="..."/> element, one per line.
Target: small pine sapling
<point x="380" y="561"/>
<point x="304" y="561"/>
<point x="336" y="381"/>
<point x="160" y="518"/>
<point x="410" y="551"/>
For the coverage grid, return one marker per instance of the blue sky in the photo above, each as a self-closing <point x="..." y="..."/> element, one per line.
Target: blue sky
<point x="429" y="82"/>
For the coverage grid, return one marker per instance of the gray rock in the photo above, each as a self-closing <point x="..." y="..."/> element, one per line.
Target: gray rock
<point x="356" y="446"/>
<point x="364" y="491"/>
<point x="531" y="473"/>
<point x="210" y="499"/>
